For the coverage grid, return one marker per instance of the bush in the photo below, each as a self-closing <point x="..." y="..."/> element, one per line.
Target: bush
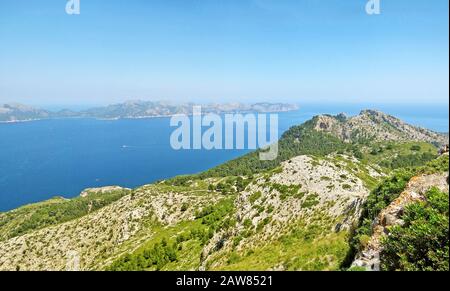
<point x="255" y="196"/>
<point x="181" y="181"/>
<point x="310" y="201"/>
<point x="157" y="257"/>
<point x="438" y="165"/>
<point x="346" y="187"/>
<point x="416" y="148"/>
<point x="285" y="190"/>
<point x="184" y="207"/>
<point x="422" y="243"/>
<point x="386" y="192"/>
<point x="378" y="199"/>
<point x="412" y="160"/>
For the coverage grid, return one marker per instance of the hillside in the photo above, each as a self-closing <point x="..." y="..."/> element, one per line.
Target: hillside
<point x="312" y="209"/>
<point x="211" y="217"/>
<point x="372" y="136"/>
<point x="18" y="112"/>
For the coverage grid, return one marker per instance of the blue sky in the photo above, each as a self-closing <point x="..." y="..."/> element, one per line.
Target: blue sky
<point x="224" y="50"/>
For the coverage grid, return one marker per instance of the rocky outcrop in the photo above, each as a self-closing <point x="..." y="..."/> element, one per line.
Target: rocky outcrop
<point x="369" y="258"/>
<point x="375" y="125"/>
<point x="102" y="190"/>
<point x="444" y="150"/>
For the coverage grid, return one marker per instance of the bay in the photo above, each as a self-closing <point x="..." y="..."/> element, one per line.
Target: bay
<point x="47" y="158"/>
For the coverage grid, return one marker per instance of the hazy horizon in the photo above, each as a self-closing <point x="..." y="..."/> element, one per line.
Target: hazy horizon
<point x="426" y="107"/>
<point x="223" y="51"/>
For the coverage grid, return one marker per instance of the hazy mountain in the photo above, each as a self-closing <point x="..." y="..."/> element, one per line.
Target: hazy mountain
<point x="135" y="109"/>
<point x="19" y="112"/>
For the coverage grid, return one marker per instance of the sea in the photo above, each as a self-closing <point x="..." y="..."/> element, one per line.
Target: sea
<point x="61" y="157"/>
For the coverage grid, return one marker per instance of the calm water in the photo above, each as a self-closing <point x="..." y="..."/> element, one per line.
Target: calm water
<point x="43" y="159"/>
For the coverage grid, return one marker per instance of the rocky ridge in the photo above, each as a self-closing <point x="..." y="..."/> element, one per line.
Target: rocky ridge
<point x="375" y="125"/>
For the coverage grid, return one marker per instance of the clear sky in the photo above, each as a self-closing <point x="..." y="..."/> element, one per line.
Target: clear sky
<point x="224" y="50"/>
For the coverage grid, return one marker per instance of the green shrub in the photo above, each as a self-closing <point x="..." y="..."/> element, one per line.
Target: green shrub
<point x="386" y="192"/>
<point x="285" y="190"/>
<point x="416" y="148"/>
<point x="439" y="165"/>
<point x="255" y="196"/>
<point x="346" y="187"/>
<point x="310" y="201"/>
<point x="422" y="243"/>
<point x="184" y="207"/>
<point x="378" y="199"/>
<point x="411" y="160"/>
<point x="155" y="257"/>
<point x="183" y="181"/>
<point x="248" y="223"/>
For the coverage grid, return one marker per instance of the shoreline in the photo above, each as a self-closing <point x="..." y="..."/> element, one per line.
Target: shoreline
<point x="137" y="117"/>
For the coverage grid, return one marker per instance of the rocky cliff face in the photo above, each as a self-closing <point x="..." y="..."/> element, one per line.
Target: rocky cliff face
<point x="376" y="126"/>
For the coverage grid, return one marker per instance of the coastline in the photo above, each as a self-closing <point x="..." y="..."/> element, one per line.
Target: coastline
<point x="138" y="117"/>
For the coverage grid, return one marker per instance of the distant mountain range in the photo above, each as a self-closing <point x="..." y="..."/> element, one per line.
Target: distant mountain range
<point x="135" y="109"/>
<point x="20" y="112"/>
